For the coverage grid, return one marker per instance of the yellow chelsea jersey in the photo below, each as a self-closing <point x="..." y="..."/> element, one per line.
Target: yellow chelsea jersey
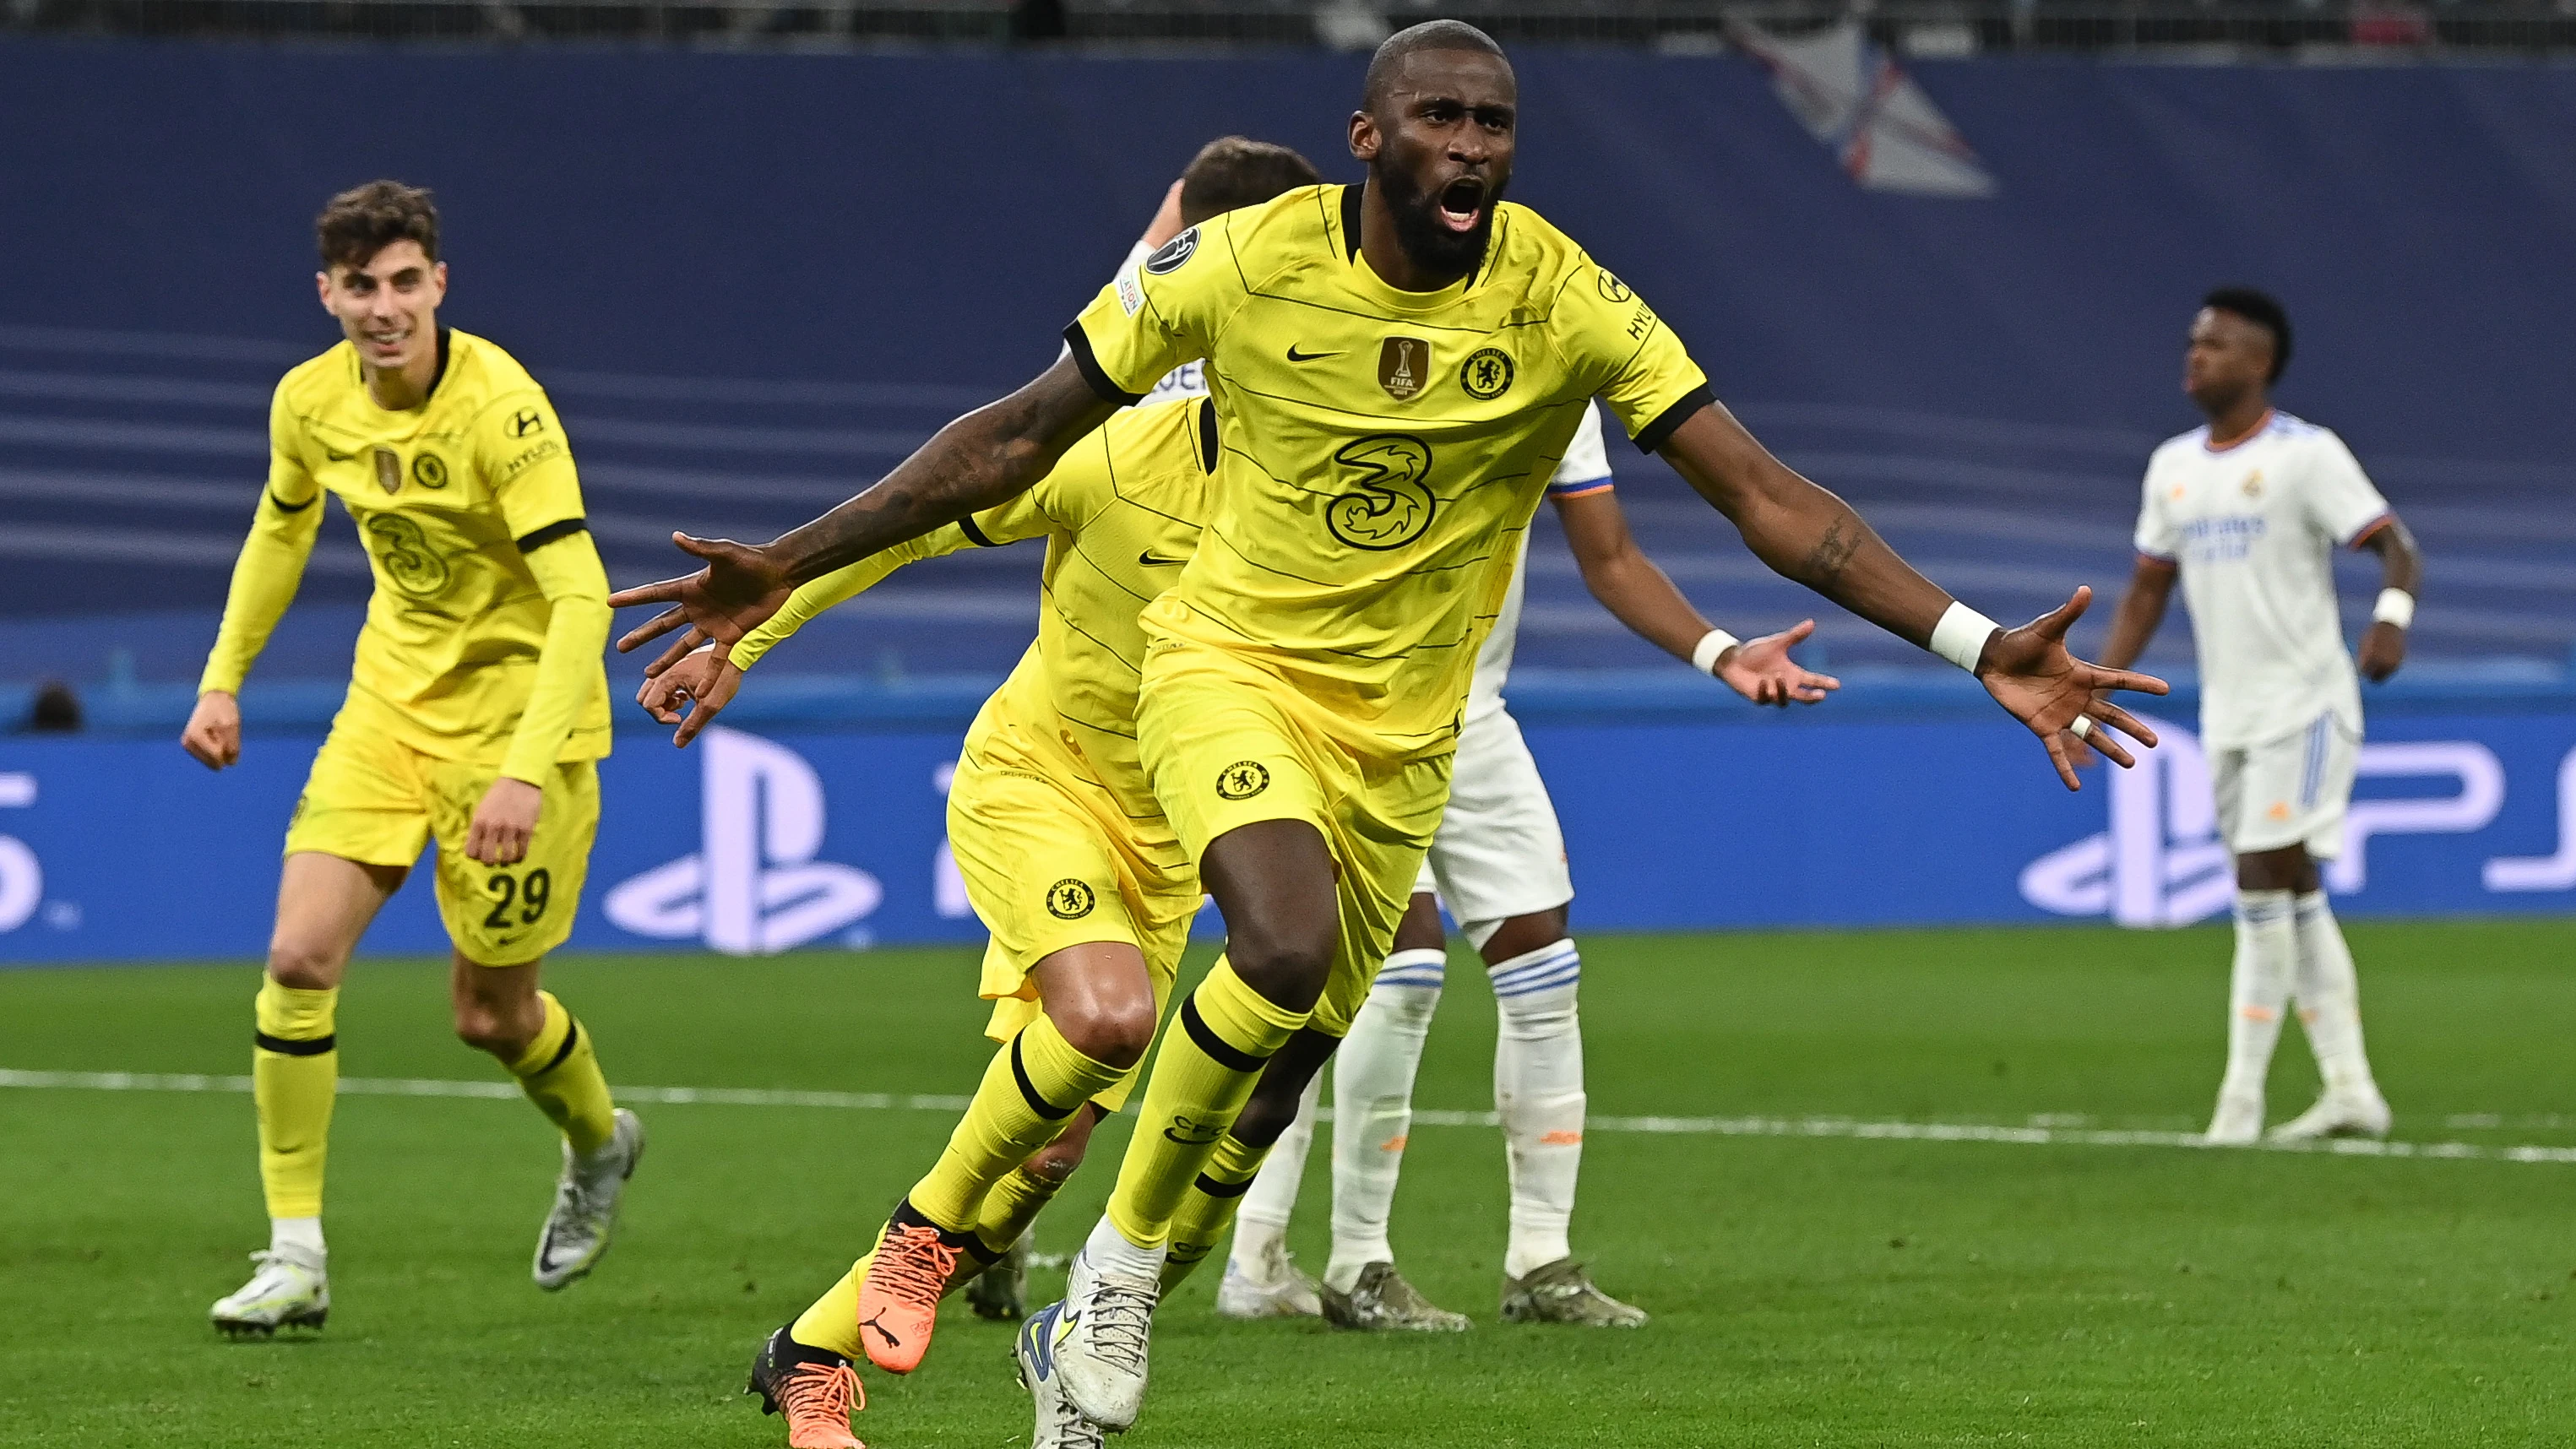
<point x="448" y="497"/>
<point x="1121" y="513"/>
<point x="1382" y="450"/>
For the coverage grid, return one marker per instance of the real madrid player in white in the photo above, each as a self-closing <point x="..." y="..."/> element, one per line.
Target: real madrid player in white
<point x="1498" y="863"/>
<point x="2248" y="510"/>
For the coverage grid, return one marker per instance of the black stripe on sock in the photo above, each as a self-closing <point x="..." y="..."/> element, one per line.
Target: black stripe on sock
<point x="285" y="1048"/>
<point x="1029" y="1089"/>
<point x="572" y="1038"/>
<point x="1214" y="1188"/>
<point x="1227" y="1055"/>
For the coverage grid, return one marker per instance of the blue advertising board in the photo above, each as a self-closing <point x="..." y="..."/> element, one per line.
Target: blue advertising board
<point x="747" y="843"/>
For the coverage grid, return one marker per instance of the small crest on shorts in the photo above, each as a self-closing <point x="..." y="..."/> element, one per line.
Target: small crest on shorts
<point x="1069" y="900"/>
<point x="388" y="470"/>
<point x="1242" y="780"/>
<point x="1403" y="364"/>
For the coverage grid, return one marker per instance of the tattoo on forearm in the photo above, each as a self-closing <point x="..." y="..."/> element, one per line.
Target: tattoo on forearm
<point x="1824" y="563"/>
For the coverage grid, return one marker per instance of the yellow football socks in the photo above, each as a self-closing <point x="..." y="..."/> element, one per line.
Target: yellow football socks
<point x="833" y="1320"/>
<point x="294" y="1074"/>
<point x="1030" y="1091"/>
<point x="1201" y="1079"/>
<point x="1010" y="1207"/>
<point x="1207" y="1209"/>
<point x="561" y="1075"/>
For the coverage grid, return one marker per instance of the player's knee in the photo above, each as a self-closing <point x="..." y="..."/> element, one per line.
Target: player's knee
<point x="1113" y="1033"/>
<point x="1288" y="970"/>
<point x="303" y="966"/>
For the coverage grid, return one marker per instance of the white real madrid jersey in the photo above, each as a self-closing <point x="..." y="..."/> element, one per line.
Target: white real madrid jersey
<point x="2253" y="527"/>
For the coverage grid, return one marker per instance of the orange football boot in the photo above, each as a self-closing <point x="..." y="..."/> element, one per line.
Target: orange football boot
<point x="899" y="1299"/>
<point x="815" y="1388"/>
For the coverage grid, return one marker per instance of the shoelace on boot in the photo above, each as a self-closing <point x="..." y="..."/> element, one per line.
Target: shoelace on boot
<point x="828" y="1392"/>
<point x="1119" y="1317"/>
<point x="914" y="1264"/>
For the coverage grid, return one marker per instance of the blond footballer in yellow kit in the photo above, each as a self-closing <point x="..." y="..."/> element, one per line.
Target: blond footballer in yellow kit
<point x="477" y="709"/>
<point x="1400" y="363"/>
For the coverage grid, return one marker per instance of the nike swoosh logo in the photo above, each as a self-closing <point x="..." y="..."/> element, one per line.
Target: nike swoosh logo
<point x="1295" y="356"/>
<point x="1064" y="1326"/>
<point x="1152" y="560"/>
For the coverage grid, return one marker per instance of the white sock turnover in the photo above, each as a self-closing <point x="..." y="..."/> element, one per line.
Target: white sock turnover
<point x="1373" y="1108"/>
<point x="1538" y="1090"/>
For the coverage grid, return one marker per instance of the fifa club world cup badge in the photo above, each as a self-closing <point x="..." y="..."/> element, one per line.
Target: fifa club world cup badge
<point x="1402" y="364"/>
<point x="388" y="470"/>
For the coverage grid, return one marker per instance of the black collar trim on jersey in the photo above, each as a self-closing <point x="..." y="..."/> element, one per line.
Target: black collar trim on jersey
<point x="1207" y="436"/>
<point x="1351" y="220"/>
<point x="436" y="377"/>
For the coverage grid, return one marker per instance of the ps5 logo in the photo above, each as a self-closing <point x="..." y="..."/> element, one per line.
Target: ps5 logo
<point x="22" y="879"/>
<point x="2161" y="862"/>
<point x="754" y="886"/>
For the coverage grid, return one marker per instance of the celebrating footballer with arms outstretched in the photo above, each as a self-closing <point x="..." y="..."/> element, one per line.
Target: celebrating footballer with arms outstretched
<point x="1394" y="366"/>
<point x="477" y="710"/>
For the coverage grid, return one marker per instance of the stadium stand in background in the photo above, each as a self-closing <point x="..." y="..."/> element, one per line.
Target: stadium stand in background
<point x="1988" y="388"/>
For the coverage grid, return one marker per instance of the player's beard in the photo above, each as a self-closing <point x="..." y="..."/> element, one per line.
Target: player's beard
<point x="1426" y="243"/>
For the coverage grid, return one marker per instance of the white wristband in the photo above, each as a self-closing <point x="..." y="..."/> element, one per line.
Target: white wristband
<point x="1961" y="635"/>
<point x="2395" y="606"/>
<point x="1715" y="642"/>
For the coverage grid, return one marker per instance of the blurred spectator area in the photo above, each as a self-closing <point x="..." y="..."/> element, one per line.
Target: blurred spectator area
<point x="1929" y="27"/>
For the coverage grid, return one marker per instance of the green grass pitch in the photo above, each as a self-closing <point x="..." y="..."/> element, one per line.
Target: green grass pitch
<point x="1806" y="1291"/>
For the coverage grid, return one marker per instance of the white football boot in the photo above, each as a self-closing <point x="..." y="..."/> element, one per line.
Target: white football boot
<point x="287" y="1290"/>
<point x="2358" y="1113"/>
<point x="1059" y="1424"/>
<point x="2237" y="1123"/>
<point x="577" y="1229"/>
<point x="1275" y="1288"/>
<point x="1099" y="1343"/>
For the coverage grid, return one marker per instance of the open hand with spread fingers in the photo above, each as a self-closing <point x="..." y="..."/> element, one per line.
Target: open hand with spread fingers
<point x="1762" y="671"/>
<point x="736" y="592"/>
<point x="2029" y="672"/>
<point x="705" y="681"/>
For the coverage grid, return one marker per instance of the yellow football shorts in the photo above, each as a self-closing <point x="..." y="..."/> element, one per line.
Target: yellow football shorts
<point x="1227" y="744"/>
<point x="1051" y="859"/>
<point x="375" y="800"/>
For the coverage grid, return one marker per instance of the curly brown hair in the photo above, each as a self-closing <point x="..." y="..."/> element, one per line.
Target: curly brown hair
<point x="364" y="220"/>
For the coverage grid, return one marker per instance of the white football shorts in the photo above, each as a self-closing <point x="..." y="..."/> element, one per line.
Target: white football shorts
<point x="2287" y="791"/>
<point x="1500" y="852"/>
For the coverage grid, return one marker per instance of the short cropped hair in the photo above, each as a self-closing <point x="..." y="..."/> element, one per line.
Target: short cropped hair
<point x="2264" y="311"/>
<point x="364" y="220"/>
<point x="1429" y="35"/>
<point x="1233" y="171"/>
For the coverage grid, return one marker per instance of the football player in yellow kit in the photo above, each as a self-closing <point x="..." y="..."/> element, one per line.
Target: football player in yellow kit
<point x="477" y="709"/>
<point x="1395" y="366"/>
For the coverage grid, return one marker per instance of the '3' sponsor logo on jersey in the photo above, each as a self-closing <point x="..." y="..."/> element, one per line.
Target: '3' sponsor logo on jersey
<point x="1392" y="504"/>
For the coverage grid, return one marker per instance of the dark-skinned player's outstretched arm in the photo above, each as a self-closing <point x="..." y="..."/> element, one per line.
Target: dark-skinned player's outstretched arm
<point x="992" y="454"/>
<point x="1800" y="530"/>
<point x="1805" y="533"/>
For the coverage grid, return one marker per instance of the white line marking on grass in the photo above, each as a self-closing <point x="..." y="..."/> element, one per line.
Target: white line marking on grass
<point x="2039" y="1134"/>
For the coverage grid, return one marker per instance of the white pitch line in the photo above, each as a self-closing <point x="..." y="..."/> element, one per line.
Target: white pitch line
<point x="1848" y="1128"/>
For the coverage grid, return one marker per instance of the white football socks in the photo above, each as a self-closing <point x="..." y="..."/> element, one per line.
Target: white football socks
<point x="1262" y="1220"/>
<point x="2267" y="955"/>
<point x="299" y="1238"/>
<point x="2329" y="997"/>
<point x="1373" y="1107"/>
<point x="1538" y="1090"/>
<point x="1109" y="1252"/>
